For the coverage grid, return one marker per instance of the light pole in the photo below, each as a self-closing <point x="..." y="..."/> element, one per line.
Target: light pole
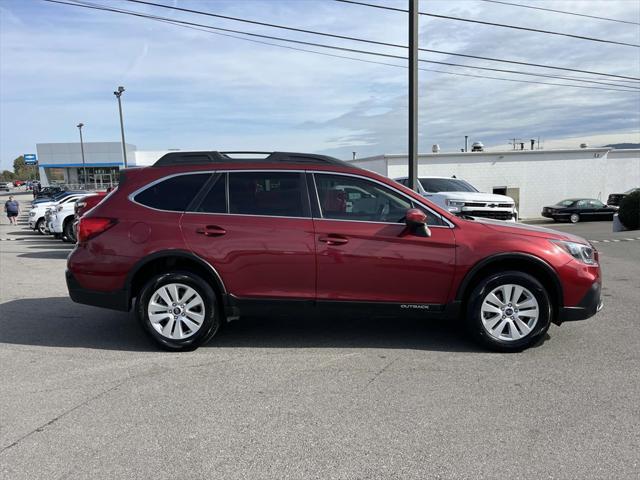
<point x="118" y="93"/>
<point x="84" y="166"/>
<point x="413" y="94"/>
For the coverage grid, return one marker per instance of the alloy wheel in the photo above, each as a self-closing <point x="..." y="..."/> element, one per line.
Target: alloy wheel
<point x="575" y="218"/>
<point x="509" y="312"/>
<point x="176" y="311"/>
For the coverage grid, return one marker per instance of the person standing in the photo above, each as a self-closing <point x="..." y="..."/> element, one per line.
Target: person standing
<point x="12" y="208"/>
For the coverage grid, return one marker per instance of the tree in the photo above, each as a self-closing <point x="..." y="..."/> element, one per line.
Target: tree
<point x="24" y="171"/>
<point x="7" y="176"/>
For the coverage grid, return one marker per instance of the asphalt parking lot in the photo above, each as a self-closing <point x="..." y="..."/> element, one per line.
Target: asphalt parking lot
<point x="84" y="394"/>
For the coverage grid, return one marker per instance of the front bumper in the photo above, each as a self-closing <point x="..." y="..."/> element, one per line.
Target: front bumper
<point x="114" y="300"/>
<point x="590" y="304"/>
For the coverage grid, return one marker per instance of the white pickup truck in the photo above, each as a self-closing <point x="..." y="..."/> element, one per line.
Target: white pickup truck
<point x="462" y="198"/>
<point x="61" y="219"/>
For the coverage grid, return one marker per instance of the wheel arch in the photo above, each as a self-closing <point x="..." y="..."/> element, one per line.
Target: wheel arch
<point x="171" y="260"/>
<point x="523" y="262"/>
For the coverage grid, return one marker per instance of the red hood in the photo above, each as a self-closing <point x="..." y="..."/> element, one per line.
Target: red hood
<point x="529" y="230"/>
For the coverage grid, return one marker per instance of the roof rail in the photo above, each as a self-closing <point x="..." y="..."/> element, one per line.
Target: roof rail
<point x="205" y="158"/>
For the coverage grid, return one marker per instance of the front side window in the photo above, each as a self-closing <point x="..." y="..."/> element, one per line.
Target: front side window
<point x="267" y="193"/>
<point x="174" y="194"/>
<point x="349" y="198"/>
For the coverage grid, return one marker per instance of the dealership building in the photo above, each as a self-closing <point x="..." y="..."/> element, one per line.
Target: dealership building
<point x="533" y="178"/>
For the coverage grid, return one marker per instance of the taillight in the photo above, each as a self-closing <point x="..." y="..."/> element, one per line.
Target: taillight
<point x="93" y="226"/>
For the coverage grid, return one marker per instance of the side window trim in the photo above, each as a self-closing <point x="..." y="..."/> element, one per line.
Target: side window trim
<point x="444" y="222"/>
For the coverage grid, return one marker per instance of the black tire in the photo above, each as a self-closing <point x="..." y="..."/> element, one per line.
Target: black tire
<point x="212" y="314"/>
<point x="40" y="227"/>
<point x="68" y="234"/>
<point x="574" y="218"/>
<point x="487" y="285"/>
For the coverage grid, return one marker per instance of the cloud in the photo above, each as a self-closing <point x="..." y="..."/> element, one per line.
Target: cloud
<point x="190" y="89"/>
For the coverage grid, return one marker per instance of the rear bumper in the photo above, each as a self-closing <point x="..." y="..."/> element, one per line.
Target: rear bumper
<point x="114" y="300"/>
<point x="590" y="304"/>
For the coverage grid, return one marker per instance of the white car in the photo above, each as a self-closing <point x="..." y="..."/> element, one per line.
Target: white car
<point x="61" y="220"/>
<point x="460" y="197"/>
<point x="37" y="213"/>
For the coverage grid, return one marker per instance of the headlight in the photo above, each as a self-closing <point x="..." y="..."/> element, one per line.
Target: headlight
<point x="32" y="213"/>
<point x="454" y="205"/>
<point x="579" y="251"/>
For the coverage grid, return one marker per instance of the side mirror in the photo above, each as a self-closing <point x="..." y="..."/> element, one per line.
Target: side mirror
<point x="416" y="221"/>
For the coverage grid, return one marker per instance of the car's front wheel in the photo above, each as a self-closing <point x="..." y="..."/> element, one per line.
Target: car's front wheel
<point x="69" y="234"/>
<point x="179" y="310"/>
<point x="41" y="228"/>
<point x="509" y="311"/>
<point x="574" y="218"/>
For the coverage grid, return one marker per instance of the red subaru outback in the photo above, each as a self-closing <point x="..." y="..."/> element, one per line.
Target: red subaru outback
<point x="202" y="238"/>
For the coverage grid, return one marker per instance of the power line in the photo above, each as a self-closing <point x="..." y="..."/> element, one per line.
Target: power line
<point x="208" y="27"/>
<point x="356" y="39"/>
<point x="493" y="24"/>
<point x="561" y="11"/>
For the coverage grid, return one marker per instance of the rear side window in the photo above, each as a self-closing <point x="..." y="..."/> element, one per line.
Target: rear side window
<point x="267" y="193"/>
<point x="174" y="193"/>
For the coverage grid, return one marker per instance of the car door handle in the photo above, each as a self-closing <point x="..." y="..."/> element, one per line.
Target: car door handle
<point x="334" y="239"/>
<point x="211" y="231"/>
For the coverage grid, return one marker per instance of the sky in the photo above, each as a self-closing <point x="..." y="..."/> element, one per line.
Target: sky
<point x="189" y="89"/>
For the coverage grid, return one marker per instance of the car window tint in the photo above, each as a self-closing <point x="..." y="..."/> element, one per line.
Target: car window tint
<point x="266" y="193"/>
<point x="174" y="193"/>
<point x="215" y="201"/>
<point x="581" y="204"/>
<point x="350" y="198"/>
<point x="596" y="204"/>
<point x="435" y="185"/>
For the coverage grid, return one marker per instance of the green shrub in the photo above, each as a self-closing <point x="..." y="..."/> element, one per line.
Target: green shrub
<point x="629" y="212"/>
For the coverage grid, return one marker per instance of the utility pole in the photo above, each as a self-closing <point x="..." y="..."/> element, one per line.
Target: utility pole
<point x="84" y="166"/>
<point x="413" y="94"/>
<point x="118" y="93"/>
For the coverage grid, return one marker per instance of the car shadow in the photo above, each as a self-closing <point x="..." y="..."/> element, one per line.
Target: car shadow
<point x="58" y="322"/>
<point x="60" y="254"/>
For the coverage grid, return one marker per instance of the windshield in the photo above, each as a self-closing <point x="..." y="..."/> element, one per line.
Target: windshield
<point x="566" y="203"/>
<point x="435" y="185"/>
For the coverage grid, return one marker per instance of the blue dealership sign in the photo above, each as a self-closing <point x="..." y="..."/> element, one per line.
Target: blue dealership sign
<point x="30" y="159"/>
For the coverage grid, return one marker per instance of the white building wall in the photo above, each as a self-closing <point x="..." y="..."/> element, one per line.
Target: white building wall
<point x="144" y="158"/>
<point x="543" y="176"/>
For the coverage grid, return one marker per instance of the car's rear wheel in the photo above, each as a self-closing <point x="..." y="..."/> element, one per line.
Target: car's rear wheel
<point x="179" y="310"/>
<point x="509" y="311"/>
<point x="574" y="218"/>
<point x="41" y="228"/>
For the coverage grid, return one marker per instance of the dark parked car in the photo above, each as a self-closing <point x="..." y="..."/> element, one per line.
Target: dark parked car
<point x="48" y="192"/>
<point x="615" y="198"/>
<point x="201" y="238"/>
<point x="579" y="209"/>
